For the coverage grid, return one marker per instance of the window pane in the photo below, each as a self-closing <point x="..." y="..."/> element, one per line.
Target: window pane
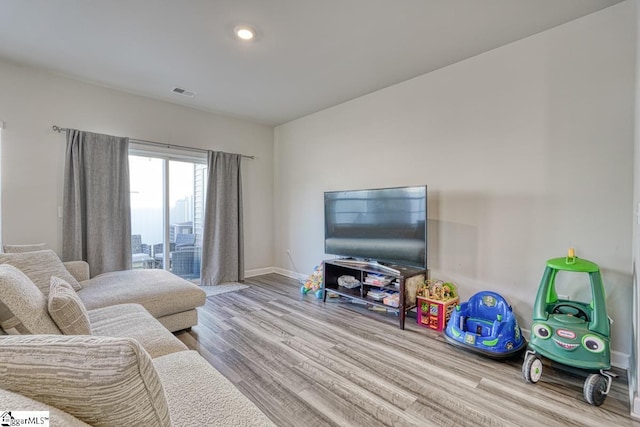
<point x="146" y="176"/>
<point x="186" y="182"/>
<point x="185" y="218"/>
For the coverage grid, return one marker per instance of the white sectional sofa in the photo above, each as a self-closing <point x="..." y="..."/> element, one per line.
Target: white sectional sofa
<point x="107" y="361"/>
<point x="169" y="298"/>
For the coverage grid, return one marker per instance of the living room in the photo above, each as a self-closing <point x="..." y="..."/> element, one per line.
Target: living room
<point x="527" y="149"/>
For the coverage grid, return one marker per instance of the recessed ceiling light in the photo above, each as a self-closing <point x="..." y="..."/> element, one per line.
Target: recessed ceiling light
<point x="244" y="32"/>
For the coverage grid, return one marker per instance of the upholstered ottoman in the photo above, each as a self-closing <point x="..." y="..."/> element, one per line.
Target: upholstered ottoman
<point x="167" y="297"/>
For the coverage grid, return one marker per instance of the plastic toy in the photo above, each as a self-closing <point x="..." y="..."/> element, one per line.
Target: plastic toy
<point x="485" y="324"/>
<point x="313" y="283"/>
<point x="437" y="290"/>
<point x="574" y="334"/>
<point x="435" y="301"/>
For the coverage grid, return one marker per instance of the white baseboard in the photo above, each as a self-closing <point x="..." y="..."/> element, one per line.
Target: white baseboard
<point x="620" y="360"/>
<point x="291" y="274"/>
<point x="635" y="408"/>
<point x="277" y="270"/>
<point x="259" y="271"/>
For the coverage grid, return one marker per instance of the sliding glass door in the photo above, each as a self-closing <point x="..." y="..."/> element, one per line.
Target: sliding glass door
<point x="167" y="210"/>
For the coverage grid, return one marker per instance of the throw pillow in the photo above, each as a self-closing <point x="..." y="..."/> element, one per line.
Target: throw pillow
<point x="17" y="249"/>
<point x="103" y="381"/>
<point x="23" y="308"/>
<point x="39" y="266"/>
<point x="67" y="309"/>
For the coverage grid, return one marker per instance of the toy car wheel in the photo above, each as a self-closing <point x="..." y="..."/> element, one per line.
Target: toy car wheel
<point x="595" y="388"/>
<point x="532" y="369"/>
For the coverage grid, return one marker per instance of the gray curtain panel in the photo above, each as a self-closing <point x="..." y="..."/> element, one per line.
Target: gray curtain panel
<point x="222" y="240"/>
<point x="97" y="212"/>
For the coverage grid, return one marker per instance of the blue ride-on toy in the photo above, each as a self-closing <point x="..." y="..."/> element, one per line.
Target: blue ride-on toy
<point x="486" y="325"/>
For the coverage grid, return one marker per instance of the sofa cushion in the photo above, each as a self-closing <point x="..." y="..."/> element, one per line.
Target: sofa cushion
<point x="57" y="418"/>
<point x="78" y="269"/>
<point x="67" y="310"/>
<point x="189" y="381"/>
<point x="23" y="308"/>
<point x="133" y="321"/>
<point x="39" y="266"/>
<point x="17" y="249"/>
<point x="100" y="380"/>
<point x="159" y="291"/>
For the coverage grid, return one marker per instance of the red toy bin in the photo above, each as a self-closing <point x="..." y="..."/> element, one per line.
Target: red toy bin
<point x="434" y="314"/>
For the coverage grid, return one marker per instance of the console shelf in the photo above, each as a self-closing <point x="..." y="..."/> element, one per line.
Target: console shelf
<point x="408" y="279"/>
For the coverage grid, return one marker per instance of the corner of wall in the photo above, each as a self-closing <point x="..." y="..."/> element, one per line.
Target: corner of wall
<point x="1" y="128"/>
<point x="634" y="374"/>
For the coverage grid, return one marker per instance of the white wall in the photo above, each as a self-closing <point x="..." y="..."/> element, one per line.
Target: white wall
<point x="634" y="377"/>
<point x="31" y="101"/>
<point x="527" y="150"/>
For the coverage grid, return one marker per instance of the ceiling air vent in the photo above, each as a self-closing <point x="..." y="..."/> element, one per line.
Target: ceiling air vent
<point x="183" y="92"/>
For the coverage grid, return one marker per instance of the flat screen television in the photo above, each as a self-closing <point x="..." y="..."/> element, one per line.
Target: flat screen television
<point x="388" y="225"/>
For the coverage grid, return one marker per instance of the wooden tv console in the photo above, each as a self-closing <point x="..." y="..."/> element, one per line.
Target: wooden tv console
<point x="408" y="279"/>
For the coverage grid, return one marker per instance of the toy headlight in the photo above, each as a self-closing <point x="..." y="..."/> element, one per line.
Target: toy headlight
<point x="593" y="343"/>
<point x="541" y="331"/>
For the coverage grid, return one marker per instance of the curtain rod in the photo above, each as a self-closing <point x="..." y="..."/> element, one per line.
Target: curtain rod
<point x="157" y="144"/>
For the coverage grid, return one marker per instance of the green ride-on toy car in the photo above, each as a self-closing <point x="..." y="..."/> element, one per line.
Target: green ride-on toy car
<point x="572" y="333"/>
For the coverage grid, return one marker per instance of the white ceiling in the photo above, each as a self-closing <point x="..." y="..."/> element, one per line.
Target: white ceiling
<point x="309" y="55"/>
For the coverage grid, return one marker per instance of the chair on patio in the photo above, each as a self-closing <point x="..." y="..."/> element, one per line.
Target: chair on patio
<point x="185" y="262"/>
<point x="158" y="253"/>
<point x="184" y="240"/>
<point x="140" y="253"/>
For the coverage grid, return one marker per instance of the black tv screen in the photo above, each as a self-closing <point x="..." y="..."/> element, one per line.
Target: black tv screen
<point x="386" y="225"/>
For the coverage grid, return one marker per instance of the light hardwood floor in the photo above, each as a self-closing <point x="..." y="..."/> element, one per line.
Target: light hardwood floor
<point x="305" y="363"/>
